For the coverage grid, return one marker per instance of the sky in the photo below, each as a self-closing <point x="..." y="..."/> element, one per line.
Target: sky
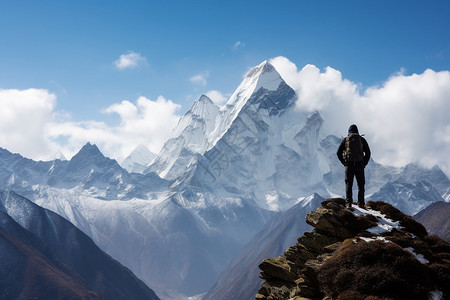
<point x="121" y="73"/>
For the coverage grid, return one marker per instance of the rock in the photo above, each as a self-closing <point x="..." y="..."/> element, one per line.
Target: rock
<point x="277" y="268"/>
<point x="391" y="243"/>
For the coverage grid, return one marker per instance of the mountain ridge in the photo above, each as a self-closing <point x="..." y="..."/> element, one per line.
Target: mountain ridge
<point x="61" y="260"/>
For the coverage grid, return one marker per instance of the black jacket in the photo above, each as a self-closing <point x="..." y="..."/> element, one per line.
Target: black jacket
<point x="366" y="149"/>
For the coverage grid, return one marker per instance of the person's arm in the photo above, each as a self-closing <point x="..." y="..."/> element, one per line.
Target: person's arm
<point x="340" y="152"/>
<point x="366" y="150"/>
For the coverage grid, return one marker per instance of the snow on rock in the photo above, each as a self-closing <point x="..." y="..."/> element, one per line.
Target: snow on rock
<point x="418" y="256"/>
<point x="384" y="224"/>
<point x="377" y="238"/>
<point x="435" y="295"/>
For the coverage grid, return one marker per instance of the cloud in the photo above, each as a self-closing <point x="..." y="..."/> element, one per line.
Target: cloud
<point x="200" y="79"/>
<point x="406" y="119"/>
<point x="217" y="97"/>
<point x="129" y="61"/>
<point x="144" y="122"/>
<point x="24" y="117"/>
<point x="238" y="45"/>
<point x="31" y="126"/>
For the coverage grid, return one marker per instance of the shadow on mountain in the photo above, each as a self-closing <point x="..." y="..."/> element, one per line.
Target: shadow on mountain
<point x="44" y="256"/>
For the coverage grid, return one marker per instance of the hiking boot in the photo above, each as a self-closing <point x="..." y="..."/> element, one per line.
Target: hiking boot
<point x="361" y="205"/>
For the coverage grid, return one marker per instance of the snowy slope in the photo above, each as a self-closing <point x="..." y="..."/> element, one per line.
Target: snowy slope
<point x="138" y="160"/>
<point x="192" y="135"/>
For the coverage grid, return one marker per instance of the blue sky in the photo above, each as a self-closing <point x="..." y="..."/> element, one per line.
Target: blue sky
<point x="71" y="50"/>
<point x="69" y="47"/>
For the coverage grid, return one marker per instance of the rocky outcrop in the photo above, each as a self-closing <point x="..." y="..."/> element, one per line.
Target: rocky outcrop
<point x="355" y="253"/>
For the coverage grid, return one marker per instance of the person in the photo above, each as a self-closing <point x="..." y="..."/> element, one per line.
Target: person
<point x="354" y="154"/>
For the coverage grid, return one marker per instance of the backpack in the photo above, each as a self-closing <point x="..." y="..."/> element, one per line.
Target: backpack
<point x="353" y="148"/>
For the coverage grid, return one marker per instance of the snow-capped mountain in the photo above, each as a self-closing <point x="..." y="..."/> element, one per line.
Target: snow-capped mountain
<point x="226" y="171"/>
<point x="409" y="198"/>
<point x="89" y="170"/>
<point x="138" y="160"/>
<point x="44" y="256"/>
<point x="192" y="135"/>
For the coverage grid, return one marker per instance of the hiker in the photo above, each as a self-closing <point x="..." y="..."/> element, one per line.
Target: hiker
<point x="354" y="154"/>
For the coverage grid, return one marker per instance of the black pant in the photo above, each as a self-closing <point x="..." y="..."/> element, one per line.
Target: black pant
<point x="354" y="170"/>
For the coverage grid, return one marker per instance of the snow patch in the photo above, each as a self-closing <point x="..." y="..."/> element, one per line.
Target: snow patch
<point x="436" y="295"/>
<point x="384" y="223"/>
<point x="418" y="256"/>
<point x="378" y="238"/>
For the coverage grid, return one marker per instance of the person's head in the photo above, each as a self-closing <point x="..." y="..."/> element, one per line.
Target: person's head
<point x="353" y="129"/>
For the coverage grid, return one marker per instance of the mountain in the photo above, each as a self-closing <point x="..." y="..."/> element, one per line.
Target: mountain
<point x="175" y="248"/>
<point x="226" y="172"/>
<point x="376" y="253"/>
<point x="240" y="280"/>
<point x="192" y="135"/>
<point x="436" y="219"/>
<point x="45" y="256"/>
<point x="138" y="160"/>
<point x="88" y="170"/>
<point x="410" y="198"/>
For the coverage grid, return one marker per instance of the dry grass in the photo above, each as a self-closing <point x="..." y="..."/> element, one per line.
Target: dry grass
<point x="375" y="269"/>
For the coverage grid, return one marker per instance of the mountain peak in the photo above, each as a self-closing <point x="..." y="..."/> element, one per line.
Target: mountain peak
<point x="202" y="105"/>
<point x="263" y="76"/>
<point x="138" y="159"/>
<point x="263" y="67"/>
<point x="90" y="148"/>
<point x="88" y="152"/>
<point x="266" y="76"/>
<point x="205" y="99"/>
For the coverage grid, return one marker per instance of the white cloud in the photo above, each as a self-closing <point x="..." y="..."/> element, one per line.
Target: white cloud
<point x="200" y="79"/>
<point x="24" y="116"/>
<point x="129" y="60"/>
<point x="145" y="122"/>
<point x="217" y="97"/>
<point x="238" y="45"/>
<point x="407" y="119"/>
<point x="30" y="126"/>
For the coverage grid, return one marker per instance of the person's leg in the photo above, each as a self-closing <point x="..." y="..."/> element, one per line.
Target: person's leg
<point x="360" y="180"/>
<point x="349" y="174"/>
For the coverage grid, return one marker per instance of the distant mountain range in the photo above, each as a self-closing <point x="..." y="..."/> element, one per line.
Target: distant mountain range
<point x="221" y="177"/>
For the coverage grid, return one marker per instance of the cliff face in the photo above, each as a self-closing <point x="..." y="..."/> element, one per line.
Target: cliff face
<point x="355" y="253"/>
